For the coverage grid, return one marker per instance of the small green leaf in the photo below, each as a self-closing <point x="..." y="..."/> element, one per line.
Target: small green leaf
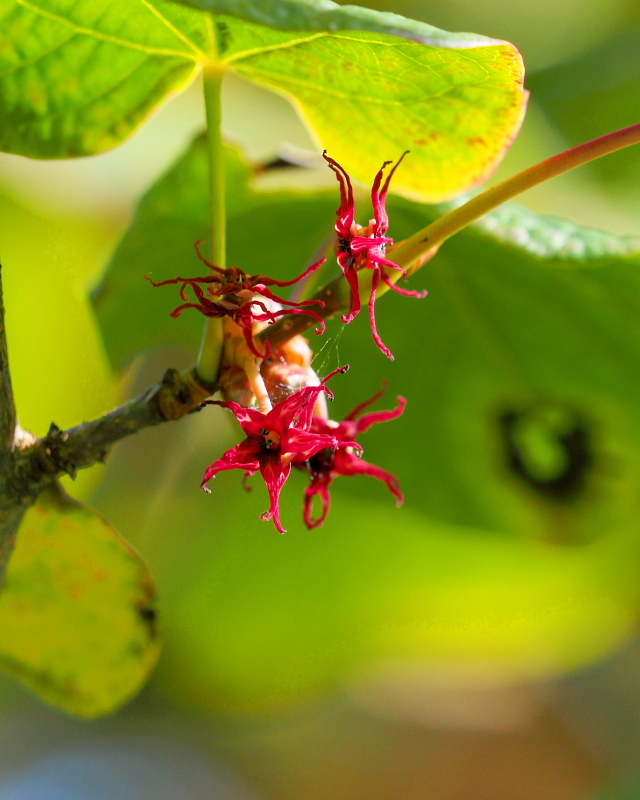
<point x="76" y="611"/>
<point x="275" y="233"/>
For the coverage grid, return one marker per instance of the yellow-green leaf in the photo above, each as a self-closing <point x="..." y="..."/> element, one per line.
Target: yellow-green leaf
<point x="78" y="77"/>
<point x="77" y="622"/>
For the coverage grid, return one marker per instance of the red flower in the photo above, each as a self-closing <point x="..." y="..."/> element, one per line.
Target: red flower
<point x="360" y="248"/>
<point x="275" y="441"/>
<point x="327" y="464"/>
<point x="237" y="294"/>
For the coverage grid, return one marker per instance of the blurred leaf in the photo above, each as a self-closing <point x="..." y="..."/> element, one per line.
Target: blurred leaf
<point x="517" y="552"/>
<point x="510" y="347"/>
<point x="76" y="610"/>
<point x="76" y="79"/>
<point x="593" y="95"/>
<point x="553" y="237"/>
<point x="256" y="620"/>
<point x="269" y="232"/>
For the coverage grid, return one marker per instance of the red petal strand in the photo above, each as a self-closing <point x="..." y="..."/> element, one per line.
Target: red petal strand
<point x="347" y="464"/>
<point x="323" y="325"/>
<point x="366" y="403"/>
<point x="338" y="371"/>
<point x="242" y="456"/>
<point x="267" y="313"/>
<point x="282" y="415"/>
<point x="303" y="444"/>
<point x="351" y="275"/>
<point x="346" y="212"/>
<point x="377" y="201"/>
<point x="251" y="420"/>
<point x="319" y="485"/>
<point x="360" y="243"/>
<point x="305" y="274"/>
<point x="275" y="476"/>
<point x="265" y="292"/>
<point x="365" y="422"/>
<point x="386" y="263"/>
<point x="165" y="283"/>
<point x="400" y="290"/>
<point x="247" y="328"/>
<point x="203" y="259"/>
<point x="375" y="280"/>
<point x="208" y="312"/>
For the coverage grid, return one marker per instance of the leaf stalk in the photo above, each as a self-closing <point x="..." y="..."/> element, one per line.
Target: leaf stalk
<point x="211" y="345"/>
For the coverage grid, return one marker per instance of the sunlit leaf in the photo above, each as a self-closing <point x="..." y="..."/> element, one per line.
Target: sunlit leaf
<point x="76" y="610"/>
<point x="454" y="101"/>
<point x="77" y="78"/>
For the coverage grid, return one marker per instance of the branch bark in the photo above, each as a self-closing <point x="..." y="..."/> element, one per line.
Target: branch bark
<point x="7" y="406"/>
<point x="65" y="452"/>
<point x="10" y="512"/>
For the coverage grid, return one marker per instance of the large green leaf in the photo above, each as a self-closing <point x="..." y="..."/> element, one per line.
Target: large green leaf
<point x="272" y="232"/>
<point x="517" y="548"/>
<point x="76" y="610"/>
<point x="77" y="78"/>
<point x="254" y="619"/>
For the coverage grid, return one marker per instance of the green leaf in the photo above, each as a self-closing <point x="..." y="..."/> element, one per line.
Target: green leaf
<point x="368" y="96"/>
<point x="524" y="364"/>
<point x="275" y="233"/>
<point x="324" y="15"/>
<point x="606" y="81"/>
<point x="516" y="553"/>
<point x="553" y="238"/>
<point x="77" y="78"/>
<point x="76" y="610"/>
<point x="133" y="316"/>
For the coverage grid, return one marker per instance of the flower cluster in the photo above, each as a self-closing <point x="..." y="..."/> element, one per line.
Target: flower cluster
<point x="276" y="440"/>
<point x="242" y="298"/>
<point x="365" y="247"/>
<point x="290" y="426"/>
<point x="292" y="435"/>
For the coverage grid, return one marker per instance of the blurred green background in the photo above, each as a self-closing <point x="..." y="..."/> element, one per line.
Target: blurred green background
<point x="478" y="643"/>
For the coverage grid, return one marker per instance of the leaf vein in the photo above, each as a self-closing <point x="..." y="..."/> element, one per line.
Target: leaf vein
<point x="170" y="26"/>
<point x="103" y="36"/>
